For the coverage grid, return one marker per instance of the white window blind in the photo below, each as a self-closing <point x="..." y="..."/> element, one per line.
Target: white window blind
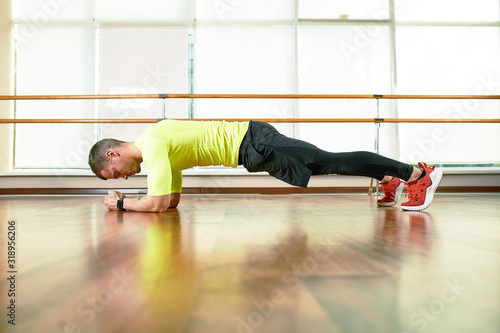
<point x="55" y="61"/>
<point x="447" y="11"/>
<point x="244" y="59"/>
<point x="142" y="61"/>
<point x="241" y="10"/>
<point x="167" y="11"/>
<point x="352" y="9"/>
<point x="332" y="60"/>
<point x="449" y="61"/>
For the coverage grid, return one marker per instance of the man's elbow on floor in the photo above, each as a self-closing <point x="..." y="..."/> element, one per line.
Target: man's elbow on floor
<point x="158" y="204"/>
<point x="158" y="208"/>
<point x="174" y="200"/>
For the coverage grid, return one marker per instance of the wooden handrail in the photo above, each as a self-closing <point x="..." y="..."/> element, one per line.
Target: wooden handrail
<point x="267" y="120"/>
<point x="256" y="96"/>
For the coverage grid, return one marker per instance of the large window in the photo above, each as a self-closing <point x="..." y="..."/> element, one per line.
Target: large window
<point x="261" y="46"/>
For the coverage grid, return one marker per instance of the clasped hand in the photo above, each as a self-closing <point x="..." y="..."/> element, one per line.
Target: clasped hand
<point x="111" y="199"/>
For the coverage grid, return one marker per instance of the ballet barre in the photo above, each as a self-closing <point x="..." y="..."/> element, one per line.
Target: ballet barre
<point x="267" y="120"/>
<point x="242" y="96"/>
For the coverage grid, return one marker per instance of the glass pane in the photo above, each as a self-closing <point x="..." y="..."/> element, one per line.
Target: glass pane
<point x="450" y="143"/>
<point x="40" y="13"/>
<point x="449" y="60"/>
<point x="448" y="10"/>
<point x="142" y="61"/>
<point x="346" y="9"/>
<point x="244" y="59"/>
<point x="145" y="10"/>
<point x="446" y="60"/>
<point x="239" y="10"/>
<point x="63" y="65"/>
<point x="342" y="60"/>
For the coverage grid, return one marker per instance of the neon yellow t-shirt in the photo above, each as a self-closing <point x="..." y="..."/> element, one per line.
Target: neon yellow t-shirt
<point x="171" y="146"/>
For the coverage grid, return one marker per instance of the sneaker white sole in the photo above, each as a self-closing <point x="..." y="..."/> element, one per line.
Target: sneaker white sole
<point x="397" y="195"/>
<point x="436" y="177"/>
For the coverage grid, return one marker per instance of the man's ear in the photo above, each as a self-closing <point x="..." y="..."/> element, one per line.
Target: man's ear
<point x="111" y="154"/>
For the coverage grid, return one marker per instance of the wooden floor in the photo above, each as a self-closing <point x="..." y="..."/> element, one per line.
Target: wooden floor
<point x="254" y="263"/>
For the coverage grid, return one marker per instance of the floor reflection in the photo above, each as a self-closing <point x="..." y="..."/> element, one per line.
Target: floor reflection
<point x="158" y="253"/>
<point x="400" y="232"/>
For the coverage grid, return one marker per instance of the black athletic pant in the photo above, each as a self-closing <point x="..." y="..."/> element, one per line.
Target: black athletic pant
<point x="293" y="161"/>
<point x="359" y="163"/>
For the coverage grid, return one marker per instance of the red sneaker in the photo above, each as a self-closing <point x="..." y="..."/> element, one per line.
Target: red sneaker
<point x="421" y="191"/>
<point x="392" y="191"/>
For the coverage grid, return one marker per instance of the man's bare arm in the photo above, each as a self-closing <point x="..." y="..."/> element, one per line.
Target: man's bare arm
<point x="148" y="203"/>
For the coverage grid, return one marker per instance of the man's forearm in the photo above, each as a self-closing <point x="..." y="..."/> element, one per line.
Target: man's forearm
<point x="149" y="204"/>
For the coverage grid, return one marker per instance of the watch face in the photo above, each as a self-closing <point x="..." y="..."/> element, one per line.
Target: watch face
<point x="119" y="204"/>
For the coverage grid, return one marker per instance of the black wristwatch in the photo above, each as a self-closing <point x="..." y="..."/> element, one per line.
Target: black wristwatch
<point x="119" y="204"/>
